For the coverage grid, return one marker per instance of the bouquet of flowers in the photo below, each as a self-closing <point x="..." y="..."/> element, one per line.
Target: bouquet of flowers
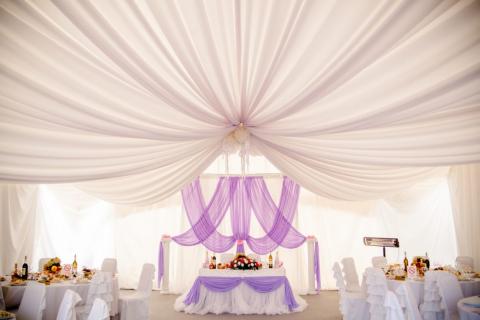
<point x="53" y="265"/>
<point x="242" y="262"/>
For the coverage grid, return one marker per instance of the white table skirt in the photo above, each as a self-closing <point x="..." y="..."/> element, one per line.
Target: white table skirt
<point x="467" y="312"/>
<point x="242" y="299"/>
<point x="54" y="295"/>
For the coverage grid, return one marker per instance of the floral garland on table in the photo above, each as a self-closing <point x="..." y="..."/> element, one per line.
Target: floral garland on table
<point x="242" y="262"/>
<point x="53" y="265"/>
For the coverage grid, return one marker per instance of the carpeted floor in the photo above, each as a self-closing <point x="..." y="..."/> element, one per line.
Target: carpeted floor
<point x="320" y="307"/>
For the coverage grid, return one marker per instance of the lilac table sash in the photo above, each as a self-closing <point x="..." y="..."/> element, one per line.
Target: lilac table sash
<point x="225" y="284"/>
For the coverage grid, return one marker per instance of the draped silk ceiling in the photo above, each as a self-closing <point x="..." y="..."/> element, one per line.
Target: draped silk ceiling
<point x="133" y="99"/>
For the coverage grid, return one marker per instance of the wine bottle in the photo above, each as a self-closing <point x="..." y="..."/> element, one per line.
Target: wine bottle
<point x="74" y="265"/>
<point x="15" y="271"/>
<point x="214" y="261"/>
<point x="405" y="262"/>
<point x="25" y="269"/>
<point x="427" y="261"/>
<point x="270" y="261"/>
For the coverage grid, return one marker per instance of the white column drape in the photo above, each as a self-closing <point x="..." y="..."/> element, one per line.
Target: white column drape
<point x="133" y="98"/>
<point x="19" y="213"/>
<point x="464" y="184"/>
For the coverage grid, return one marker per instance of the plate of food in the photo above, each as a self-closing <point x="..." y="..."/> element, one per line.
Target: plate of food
<point x="18" y="282"/>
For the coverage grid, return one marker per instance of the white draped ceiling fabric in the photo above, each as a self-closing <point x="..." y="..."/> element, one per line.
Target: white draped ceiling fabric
<point x="133" y="99"/>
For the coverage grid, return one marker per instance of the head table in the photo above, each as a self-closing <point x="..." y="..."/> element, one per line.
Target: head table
<point x="54" y="295"/>
<point x="264" y="291"/>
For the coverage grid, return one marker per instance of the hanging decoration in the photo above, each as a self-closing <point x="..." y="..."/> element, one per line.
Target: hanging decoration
<point x="241" y="196"/>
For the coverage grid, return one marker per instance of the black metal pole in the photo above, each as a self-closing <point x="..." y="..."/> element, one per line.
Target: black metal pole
<point x="384" y="253"/>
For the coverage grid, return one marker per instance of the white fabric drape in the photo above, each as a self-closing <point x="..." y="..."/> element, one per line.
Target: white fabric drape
<point x="74" y="222"/>
<point x="464" y="183"/>
<point x="20" y="210"/>
<point x="351" y="100"/>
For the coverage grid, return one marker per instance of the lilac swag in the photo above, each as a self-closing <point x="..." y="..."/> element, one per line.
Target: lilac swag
<point x="259" y="284"/>
<point x="242" y="195"/>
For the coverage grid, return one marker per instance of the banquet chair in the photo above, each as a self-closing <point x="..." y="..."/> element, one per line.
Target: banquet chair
<point x="67" y="307"/>
<point x="99" y="310"/>
<point x="351" y="276"/>
<point x="353" y="305"/>
<point x="2" y="301"/>
<point x="41" y="263"/>
<point x="464" y="261"/>
<point x="136" y="306"/>
<point x="383" y="303"/>
<point x="450" y="292"/>
<point x="33" y="303"/>
<point x="226" y="257"/>
<point x="101" y="287"/>
<point x="379" y="262"/>
<point x="408" y="301"/>
<point x="431" y="308"/>
<point x="109" y="265"/>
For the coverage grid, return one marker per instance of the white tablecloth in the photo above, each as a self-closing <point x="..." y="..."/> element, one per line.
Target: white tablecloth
<point x="467" y="312"/>
<point x="54" y="295"/>
<point x="469" y="288"/>
<point x="242" y="299"/>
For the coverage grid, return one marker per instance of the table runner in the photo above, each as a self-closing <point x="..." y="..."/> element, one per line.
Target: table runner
<point x="259" y="284"/>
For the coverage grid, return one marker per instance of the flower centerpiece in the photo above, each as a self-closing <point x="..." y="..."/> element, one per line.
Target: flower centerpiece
<point x="242" y="262"/>
<point x="53" y="266"/>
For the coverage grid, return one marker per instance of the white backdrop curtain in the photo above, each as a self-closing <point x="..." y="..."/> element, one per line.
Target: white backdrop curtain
<point x="19" y="228"/>
<point x="351" y="100"/>
<point x="464" y="183"/>
<point x="70" y="221"/>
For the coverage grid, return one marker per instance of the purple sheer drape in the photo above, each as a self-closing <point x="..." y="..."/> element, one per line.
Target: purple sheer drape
<point x="316" y="265"/>
<point x="241" y="195"/>
<point x="259" y="284"/>
<point x="160" y="264"/>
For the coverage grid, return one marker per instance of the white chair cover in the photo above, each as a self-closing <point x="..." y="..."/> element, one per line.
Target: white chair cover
<point x="407" y="300"/>
<point x="353" y="305"/>
<point x="430" y="308"/>
<point x="41" y="263"/>
<point x="379" y="262"/>
<point x="351" y="276"/>
<point x="464" y="261"/>
<point x="67" y="307"/>
<point x="383" y="304"/>
<point x="226" y="257"/>
<point x="99" y="310"/>
<point x="33" y="302"/>
<point x="450" y="292"/>
<point x="2" y="301"/>
<point x="136" y="306"/>
<point x="101" y="287"/>
<point x="109" y="265"/>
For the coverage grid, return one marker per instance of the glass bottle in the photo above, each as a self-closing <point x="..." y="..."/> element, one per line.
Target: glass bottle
<point x="270" y="261"/>
<point x="427" y="261"/>
<point x="74" y="265"/>
<point x="214" y="261"/>
<point x="405" y="262"/>
<point x="25" y="269"/>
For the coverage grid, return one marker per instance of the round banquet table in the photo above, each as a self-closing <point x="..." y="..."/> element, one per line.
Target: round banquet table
<point x="242" y="299"/>
<point x="469" y="288"/>
<point x="467" y="312"/>
<point x="54" y="295"/>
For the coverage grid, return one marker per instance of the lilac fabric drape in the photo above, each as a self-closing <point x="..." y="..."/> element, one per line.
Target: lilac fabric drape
<point x="160" y="264"/>
<point x="241" y="195"/>
<point x="316" y="265"/>
<point x="259" y="284"/>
